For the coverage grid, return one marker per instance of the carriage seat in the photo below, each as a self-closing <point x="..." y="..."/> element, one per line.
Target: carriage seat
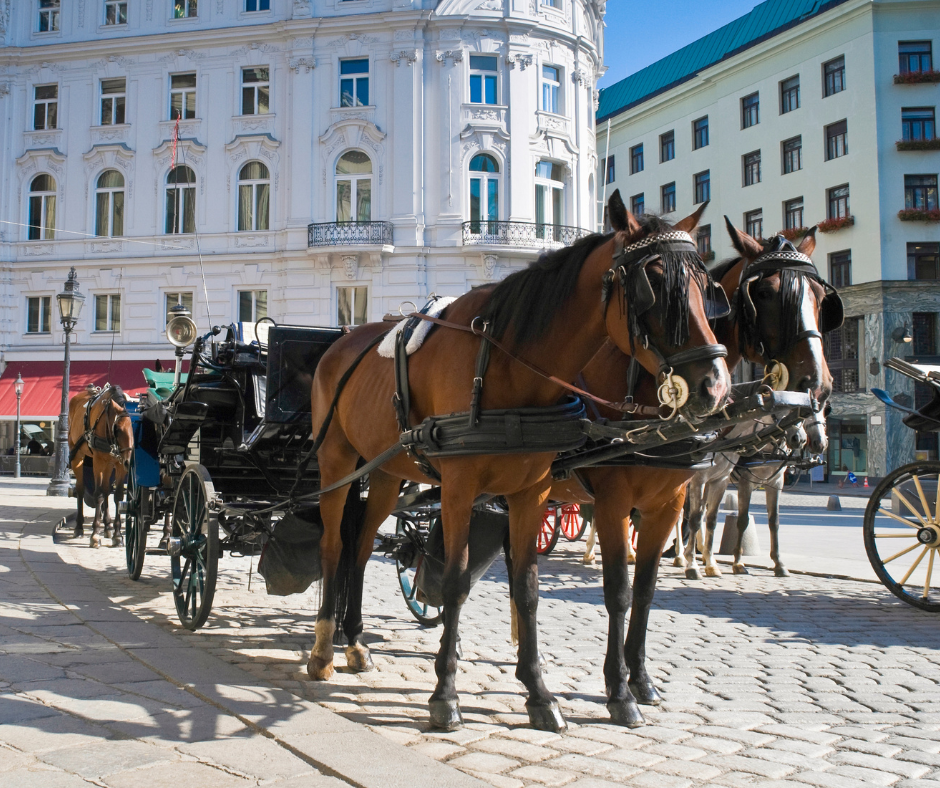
<point x="160" y="384"/>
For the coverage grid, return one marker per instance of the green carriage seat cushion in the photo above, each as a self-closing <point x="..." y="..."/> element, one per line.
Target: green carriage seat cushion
<point x="161" y="382"/>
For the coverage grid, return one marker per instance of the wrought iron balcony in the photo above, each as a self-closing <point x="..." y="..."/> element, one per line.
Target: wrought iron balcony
<point x="349" y="234"/>
<point x="525" y="234"/>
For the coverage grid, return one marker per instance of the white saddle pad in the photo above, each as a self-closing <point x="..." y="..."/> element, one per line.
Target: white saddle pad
<point x="387" y="346"/>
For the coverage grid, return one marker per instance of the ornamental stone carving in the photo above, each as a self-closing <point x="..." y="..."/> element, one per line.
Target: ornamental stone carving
<point x="523" y="61"/>
<point x="351" y="266"/>
<point x="454" y="55"/>
<point x="305" y="63"/>
<point x="409" y="56"/>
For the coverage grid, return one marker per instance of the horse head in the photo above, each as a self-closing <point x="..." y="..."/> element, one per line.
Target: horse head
<point x="782" y="308"/>
<point x="119" y="425"/>
<point x="666" y="301"/>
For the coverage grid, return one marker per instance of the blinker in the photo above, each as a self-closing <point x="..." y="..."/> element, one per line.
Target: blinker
<point x="716" y="303"/>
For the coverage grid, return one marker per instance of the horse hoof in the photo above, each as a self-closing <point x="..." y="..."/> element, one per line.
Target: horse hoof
<point x="546" y="717"/>
<point x="739" y="569"/>
<point x="712" y="571"/>
<point x="117" y="541"/>
<point x="589" y="559"/>
<point x="626" y="714"/>
<point x="95" y="541"/>
<point x="781" y="571"/>
<point x="645" y="693"/>
<point x="78" y="533"/>
<point x="692" y="573"/>
<point x="108" y="533"/>
<point x="445" y="714"/>
<point x="679" y="561"/>
<point x="631" y="559"/>
<point x="358" y="659"/>
<point x="319" y="669"/>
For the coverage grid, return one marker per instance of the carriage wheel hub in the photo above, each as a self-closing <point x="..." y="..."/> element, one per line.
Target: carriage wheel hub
<point x="929" y="535"/>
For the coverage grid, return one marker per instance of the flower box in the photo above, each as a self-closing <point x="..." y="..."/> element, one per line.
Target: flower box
<point x="918" y="215"/>
<point x="917" y="77"/>
<point x="933" y="144"/>
<point x="834" y="225"/>
<point x="793" y="233"/>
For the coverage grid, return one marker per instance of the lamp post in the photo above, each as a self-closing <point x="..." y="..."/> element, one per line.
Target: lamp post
<point x="18" y="388"/>
<point x="70" y="302"/>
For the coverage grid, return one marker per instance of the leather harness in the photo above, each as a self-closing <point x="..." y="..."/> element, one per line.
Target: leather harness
<point x="89" y="437"/>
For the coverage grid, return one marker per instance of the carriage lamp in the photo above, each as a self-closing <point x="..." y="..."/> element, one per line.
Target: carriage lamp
<point x="18" y="388"/>
<point x="902" y="334"/>
<point x="180" y="328"/>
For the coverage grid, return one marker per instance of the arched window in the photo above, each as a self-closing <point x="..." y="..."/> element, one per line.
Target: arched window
<point x="354" y="187"/>
<point x="254" y="196"/>
<point x="42" y="208"/>
<point x="549" y="197"/>
<point x="109" y="210"/>
<point x="180" y="201"/>
<point x="484" y="191"/>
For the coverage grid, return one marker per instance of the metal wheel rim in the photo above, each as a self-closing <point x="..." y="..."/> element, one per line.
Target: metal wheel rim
<point x="428" y="615"/>
<point x="135" y="539"/>
<point x="548" y="532"/>
<point x="193" y="570"/>
<point x="905" y="564"/>
<point x="572" y="524"/>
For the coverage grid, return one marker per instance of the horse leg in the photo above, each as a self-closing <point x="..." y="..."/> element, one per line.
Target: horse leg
<point x="713" y="494"/>
<point x="697" y="511"/>
<point x="456" y="507"/>
<point x="383" y="494"/>
<point x="101" y="505"/>
<point x="745" y="488"/>
<point x="590" y="556"/>
<point x="773" y="488"/>
<point x="524" y="518"/>
<point x="79" y="497"/>
<point x="118" y="539"/>
<point x="631" y="553"/>
<point x="106" y="511"/>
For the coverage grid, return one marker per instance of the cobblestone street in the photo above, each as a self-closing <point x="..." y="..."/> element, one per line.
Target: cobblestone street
<point x="771" y="682"/>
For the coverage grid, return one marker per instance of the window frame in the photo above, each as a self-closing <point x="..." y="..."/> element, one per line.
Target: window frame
<point x="354" y="180"/>
<point x="787" y="154"/>
<point x="46" y="104"/>
<point x="609" y="169"/>
<point x="258" y="10"/>
<point x="787" y="94"/>
<point x="701" y="187"/>
<point x="837" y="139"/>
<point x="914" y="200"/>
<point x="554" y="199"/>
<point x="44" y="310"/>
<point x="667" y="146"/>
<point x="751" y="168"/>
<point x="836" y="85"/>
<point x="908" y="124"/>
<point x="554" y="89"/>
<point x="185" y="195"/>
<point x="118" y="6"/>
<point x="359" y="79"/>
<point x="485" y="178"/>
<point x="697" y="135"/>
<point x="750" y="108"/>
<point x="836" y="200"/>
<point x="116" y="99"/>
<point x="754" y="219"/>
<point x="353" y="290"/>
<point x="850" y="329"/>
<point x="180" y="299"/>
<point x="113" y="209"/>
<point x="793" y="213"/>
<point x="50" y="15"/>
<point x="638" y="201"/>
<point x="840" y="268"/>
<point x="484" y="76"/>
<point x="256" y="89"/>
<point x="668" y="190"/>
<point x="916" y="252"/>
<point x="185" y="93"/>
<point x="46" y="199"/>
<point x="113" y="326"/>
<point x="255" y="317"/>
<point x="256" y="186"/>
<point x="636" y="158"/>
<point x="703" y="240"/>
<point x="904" y="68"/>
<point x="190" y="9"/>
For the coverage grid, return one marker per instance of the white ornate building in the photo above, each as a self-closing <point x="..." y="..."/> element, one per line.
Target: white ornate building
<point x="335" y="158"/>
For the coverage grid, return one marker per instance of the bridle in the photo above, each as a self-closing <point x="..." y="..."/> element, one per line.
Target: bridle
<point x="108" y="444"/>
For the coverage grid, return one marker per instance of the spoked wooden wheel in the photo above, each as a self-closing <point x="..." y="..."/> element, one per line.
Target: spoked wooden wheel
<point x="194" y="547"/>
<point x="427" y="615"/>
<point x="135" y="530"/>
<point x="548" y="532"/>
<point x="902" y="534"/>
<point x="572" y="524"/>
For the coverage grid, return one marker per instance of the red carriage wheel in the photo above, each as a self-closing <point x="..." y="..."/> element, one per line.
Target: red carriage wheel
<point x="572" y="524"/>
<point x="548" y="533"/>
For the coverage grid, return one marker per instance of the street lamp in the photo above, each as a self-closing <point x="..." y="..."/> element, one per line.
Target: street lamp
<point x="70" y="302"/>
<point x="18" y="388"/>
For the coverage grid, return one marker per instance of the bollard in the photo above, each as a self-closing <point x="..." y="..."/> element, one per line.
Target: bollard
<point x="729" y="536"/>
<point x="834" y="504"/>
<point x="730" y="503"/>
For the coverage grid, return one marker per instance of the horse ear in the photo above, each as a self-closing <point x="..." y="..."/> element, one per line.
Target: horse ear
<point x="620" y="218"/>
<point x="746" y="246"/>
<point x="808" y="244"/>
<point x="690" y="222"/>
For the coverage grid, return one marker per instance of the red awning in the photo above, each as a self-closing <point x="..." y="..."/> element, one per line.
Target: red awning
<point x="42" y="392"/>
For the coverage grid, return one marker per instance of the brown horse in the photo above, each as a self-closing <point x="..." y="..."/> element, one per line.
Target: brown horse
<point x="777" y="322"/>
<point x="100" y="431"/>
<point x="556" y="314"/>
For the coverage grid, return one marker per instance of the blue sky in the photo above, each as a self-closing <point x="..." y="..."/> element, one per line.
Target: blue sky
<point x="639" y="34"/>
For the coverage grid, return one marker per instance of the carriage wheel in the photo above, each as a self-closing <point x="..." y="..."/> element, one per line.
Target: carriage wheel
<point x="548" y="532"/>
<point x="427" y="615"/>
<point x="135" y="536"/>
<point x="572" y="524"/>
<point x="903" y="541"/>
<point x="194" y="547"/>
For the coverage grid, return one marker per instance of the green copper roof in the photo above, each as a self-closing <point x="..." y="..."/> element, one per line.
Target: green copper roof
<point x="766" y="20"/>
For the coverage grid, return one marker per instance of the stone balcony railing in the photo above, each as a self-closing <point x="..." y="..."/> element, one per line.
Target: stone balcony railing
<point x="521" y="234"/>
<point x="349" y="234"/>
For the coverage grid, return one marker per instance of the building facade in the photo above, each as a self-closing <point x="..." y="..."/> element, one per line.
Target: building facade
<point x="798" y="114"/>
<point x="316" y="161"/>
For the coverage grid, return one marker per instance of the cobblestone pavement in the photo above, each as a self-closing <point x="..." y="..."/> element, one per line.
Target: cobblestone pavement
<point x="789" y="683"/>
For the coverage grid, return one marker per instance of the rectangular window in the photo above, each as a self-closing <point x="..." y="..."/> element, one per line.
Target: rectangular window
<point x="113" y="93"/>
<point x="750" y="110"/>
<point x="256" y="91"/>
<point x="46" y="107"/>
<point x="700" y="133"/>
<point x="792" y="155"/>
<point x="923" y="261"/>
<point x="38" y="315"/>
<point x="553" y="3"/>
<point x="838" y="201"/>
<point x="840" y="269"/>
<point x="609" y="169"/>
<point x="252" y="305"/>
<point x="637" y="204"/>
<point x="183" y="9"/>
<point x="257" y="5"/>
<point x="352" y="306"/>
<point x="551" y="89"/>
<point x="484" y="73"/>
<point x="841" y="348"/>
<point x="834" y="76"/>
<point x="751" y="164"/>
<point x="915" y="56"/>
<point x="115" y="12"/>
<point x="918" y="123"/>
<point x="924" y="329"/>
<point x="703" y="186"/>
<point x="172" y="299"/>
<point x="837" y="140"/>
<point x="182" y="96"/>
<point x="789" y="95"/>
<point x="703" y="240"/>
<point x="668" y="194"/>
<point x="667" y="146"/>
<point x="793" y="214"/>
<point x="636" y="159"/>
<point x="754" y="223"/>
<point x="920" y="192"/>
<point x="354" y="82"/>
<point x="108" y="313"/>
<point x="48" y="16"/>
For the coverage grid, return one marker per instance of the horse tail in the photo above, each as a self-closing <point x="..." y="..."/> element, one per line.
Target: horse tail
<point x="350" y="533"/>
